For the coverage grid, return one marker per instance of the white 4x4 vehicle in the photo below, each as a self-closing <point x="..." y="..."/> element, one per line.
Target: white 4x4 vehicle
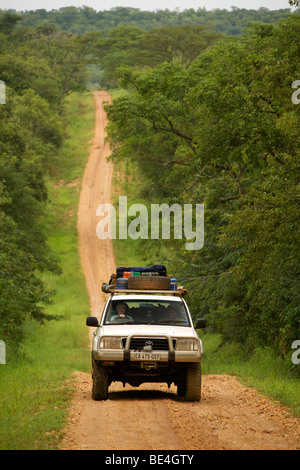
<point x="146" y="338"/>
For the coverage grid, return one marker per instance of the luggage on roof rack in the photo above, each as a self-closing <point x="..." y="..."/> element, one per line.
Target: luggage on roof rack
<point x="156" y="268"/>
<point x="135" y="279"/>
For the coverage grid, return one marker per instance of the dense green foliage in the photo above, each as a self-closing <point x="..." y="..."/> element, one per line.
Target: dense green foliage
<point x="129" y="45"/>
<point x="84" y="19"/>
<point x="209" y="119"/>
<point x="39" y="67"/>
<point x="225" y="132"/>
<point x="134" y="37"/>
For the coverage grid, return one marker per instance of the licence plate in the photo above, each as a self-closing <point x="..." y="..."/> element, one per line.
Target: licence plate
<point x="143" y="356"/>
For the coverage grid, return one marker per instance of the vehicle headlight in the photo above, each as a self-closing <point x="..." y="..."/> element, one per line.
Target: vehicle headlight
<point x="187" y="344"/>
<point x="110" y="342"/>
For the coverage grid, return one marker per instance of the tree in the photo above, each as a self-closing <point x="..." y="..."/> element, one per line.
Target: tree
<point x="115" y="48"/>
<point x="8" y="22"/>
<point x="67" y="57"/>
<point x="30" y="129"/>
<point x="182" y="44"/>
<point x="23" y="252"/>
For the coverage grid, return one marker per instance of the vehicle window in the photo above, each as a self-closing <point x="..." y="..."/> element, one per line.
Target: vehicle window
<point x="146" y="312"/>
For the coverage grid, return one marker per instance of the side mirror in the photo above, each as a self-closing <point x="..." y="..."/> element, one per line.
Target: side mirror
<point x="92" y="321"/>
<point x="200" y="323"/>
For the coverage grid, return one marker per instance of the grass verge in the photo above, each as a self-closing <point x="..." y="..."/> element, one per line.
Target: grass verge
<point x="36" y="388"/>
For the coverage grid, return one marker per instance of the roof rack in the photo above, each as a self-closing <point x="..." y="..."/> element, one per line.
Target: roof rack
<point x="181" y="291"/>
<point x="112" y="288"/>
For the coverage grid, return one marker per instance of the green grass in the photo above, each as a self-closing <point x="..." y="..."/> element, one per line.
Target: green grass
<point x="36" y="387"/>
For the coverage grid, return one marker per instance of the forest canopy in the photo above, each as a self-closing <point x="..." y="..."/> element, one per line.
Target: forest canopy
<point x="84" y="19"/>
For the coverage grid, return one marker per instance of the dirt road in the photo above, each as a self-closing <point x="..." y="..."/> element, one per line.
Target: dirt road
<point x="152" y="417"/>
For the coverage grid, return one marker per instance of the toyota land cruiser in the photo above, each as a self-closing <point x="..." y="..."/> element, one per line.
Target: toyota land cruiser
<point x="146" y="338"/>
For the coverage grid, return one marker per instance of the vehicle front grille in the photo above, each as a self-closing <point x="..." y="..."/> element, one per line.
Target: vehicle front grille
<point x="158" y="344"/>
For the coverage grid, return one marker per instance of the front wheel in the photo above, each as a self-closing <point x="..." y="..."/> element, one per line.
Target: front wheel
<point x="100" y="377"/>
<point x="193" y="382"/>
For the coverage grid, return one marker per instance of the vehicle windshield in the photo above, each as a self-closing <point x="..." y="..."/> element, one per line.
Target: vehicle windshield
<point x="144" y="312"/>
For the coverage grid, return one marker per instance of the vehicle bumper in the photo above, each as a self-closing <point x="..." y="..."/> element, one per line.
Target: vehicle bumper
<point x="126" y="355"/>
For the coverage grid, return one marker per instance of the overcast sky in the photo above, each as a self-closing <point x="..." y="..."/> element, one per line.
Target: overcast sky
<point x="150" y="5"/>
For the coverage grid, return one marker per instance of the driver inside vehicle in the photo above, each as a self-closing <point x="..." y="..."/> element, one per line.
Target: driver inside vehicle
<point x="121" y="312"/>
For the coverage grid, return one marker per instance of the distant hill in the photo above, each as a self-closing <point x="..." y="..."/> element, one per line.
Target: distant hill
<point x="85" y="19"/>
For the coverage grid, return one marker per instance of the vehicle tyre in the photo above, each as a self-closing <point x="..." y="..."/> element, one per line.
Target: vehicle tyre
<point x="193" y="382"/>
<point x="181" y="389"/>
<point x="100" y="377"/>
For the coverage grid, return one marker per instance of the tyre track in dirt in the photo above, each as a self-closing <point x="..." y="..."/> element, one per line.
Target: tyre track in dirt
<point x="153" y="417"/>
